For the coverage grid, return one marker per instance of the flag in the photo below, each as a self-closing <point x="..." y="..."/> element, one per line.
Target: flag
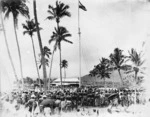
<point x="81" y="6"/>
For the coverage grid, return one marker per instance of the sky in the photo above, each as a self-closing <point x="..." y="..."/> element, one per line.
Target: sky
<point x="105" y="25"/>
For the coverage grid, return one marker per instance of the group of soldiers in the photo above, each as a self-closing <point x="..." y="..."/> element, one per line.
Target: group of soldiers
<point x="73" y="98"/>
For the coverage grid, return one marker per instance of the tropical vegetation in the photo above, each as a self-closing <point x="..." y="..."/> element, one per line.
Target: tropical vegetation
<point x="30" y="29"/>
<point x="102" y="70"/>
<point x="116" y="61"/>
<point x="64" y="64"/>
<point x="16" y="8"/>
<point x="56" y="13"/>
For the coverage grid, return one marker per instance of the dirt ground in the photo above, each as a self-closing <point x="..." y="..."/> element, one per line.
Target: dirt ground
<point x="132" y="111"/>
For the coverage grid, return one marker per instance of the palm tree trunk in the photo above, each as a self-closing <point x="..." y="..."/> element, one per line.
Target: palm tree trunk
<point x="40" y="44"/>
<point x="64" y="73"/>
<point x="18" y="46"/>
<point x="136" y="77"/>
<point x="60" y="57"/>
<point x="60" y="65"/>
<point x="8" y="51"/>
<point x="36" y="61"/>
<point x="50" y="71"/>
<point x="104" y="83"/>
<point x="135" y="98"/>
<point x="120" y="76"/>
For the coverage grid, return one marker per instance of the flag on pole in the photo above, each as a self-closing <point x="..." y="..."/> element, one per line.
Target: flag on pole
<point x="81" y="6"/>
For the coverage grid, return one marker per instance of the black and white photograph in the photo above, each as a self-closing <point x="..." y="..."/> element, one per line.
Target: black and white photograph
<point x="74" y="58"/>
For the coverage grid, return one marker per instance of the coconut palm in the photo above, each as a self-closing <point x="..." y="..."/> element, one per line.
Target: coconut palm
<point x="117" y="60"/>
<point x="137" y="63"/>
<point x="58" y="36"/>
<point x="54" y="49"/>
<point x="16" y="7"/>
<point x="7" y="46"/>
<point x="30" y="29"/>
<point x="136" y="67"/>
<point x="47" y="54"/>
<point x="64" y="64"/>
<point x="40" y="44"/>
<point x="47" y="51"/>
<point x="58" y="12"/>
<point x="102" y="70"/>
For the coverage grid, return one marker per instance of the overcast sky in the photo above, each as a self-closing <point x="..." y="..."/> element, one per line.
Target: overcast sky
<point x="105" y="25"/>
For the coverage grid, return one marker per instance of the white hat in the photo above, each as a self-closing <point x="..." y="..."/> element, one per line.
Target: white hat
<point x="32" y="95"/>
<point x="44" y="96"/>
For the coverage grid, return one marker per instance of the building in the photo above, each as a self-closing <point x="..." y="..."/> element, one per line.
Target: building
<point x="113" y="82"/>
<point x="72" y="81"/>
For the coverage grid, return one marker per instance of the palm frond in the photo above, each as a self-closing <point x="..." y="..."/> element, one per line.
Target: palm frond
<point x="40" y="66"/>
<point x="60" y="10"/>
<point x="15" y="7"/>
<point x="50" y="18"/>
<point x="128" y="72"/>
<point x="51" y="40"/>
<point x="67" y="41"/>
<point x="25" y="32"/>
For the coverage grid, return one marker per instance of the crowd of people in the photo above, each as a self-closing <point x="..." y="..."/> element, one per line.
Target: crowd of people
<point x="73" y="98"/>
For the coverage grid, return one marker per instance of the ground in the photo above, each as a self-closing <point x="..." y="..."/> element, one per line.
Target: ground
<point x="132" y="111"/>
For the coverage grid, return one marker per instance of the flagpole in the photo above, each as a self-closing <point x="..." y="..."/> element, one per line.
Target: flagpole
<point x="0" y="85"/>
<point x="79" y="45"/>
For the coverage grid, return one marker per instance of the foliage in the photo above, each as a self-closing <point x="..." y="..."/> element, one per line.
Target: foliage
<point x="57" y="12"/>
<point x="117" y="60"/>
<point x="47" y="54"/>
<point x="15" y="7"/>
<point x="102" y="69"/>
<point x="64" y="64"/>
<point x="30" y="27"/>
<point x="137" y="64"/>
<point x="59" y="35"/>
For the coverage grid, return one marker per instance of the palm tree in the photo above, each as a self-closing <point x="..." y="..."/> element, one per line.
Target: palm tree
<point x="102" y="70"/>
<point x="117" y="60"/>
<point x="7" y="46"/>
<point x="58" y="12"/>
<point x="16" y="7"/>
<point x="54" y="49"/>
<point x="64" y="64"/>
<point x="30" y="28"/>
<point x="47" y="54"/>
<point x="137" y="63"/>
<point x="137" y="67"/>
<point x="40" y="44"/>
<point x="58" y="36"/>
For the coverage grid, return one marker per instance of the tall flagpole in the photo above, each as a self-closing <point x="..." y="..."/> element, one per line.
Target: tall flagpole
<point x="0" y="85"/>
<point x="79" y="45"/>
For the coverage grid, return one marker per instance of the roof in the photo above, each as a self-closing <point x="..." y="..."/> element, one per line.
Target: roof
<point x="67" y="80"/>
